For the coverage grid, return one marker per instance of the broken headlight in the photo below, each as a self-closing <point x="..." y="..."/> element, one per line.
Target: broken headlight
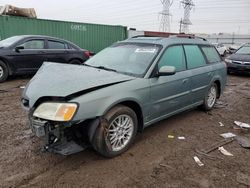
<point x="56" y="111"/>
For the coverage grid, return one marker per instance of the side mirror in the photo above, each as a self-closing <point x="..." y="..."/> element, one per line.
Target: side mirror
<point x="18" y="48"/>
<point x="166" y="71"/>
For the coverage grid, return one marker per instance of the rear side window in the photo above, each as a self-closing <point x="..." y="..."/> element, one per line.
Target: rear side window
<point x="194" y="56"/>
<point x="33" y="44"/>
<point x="211" y="54"/>
<point x="56" y="45"/>
<point x="173" y="56"/>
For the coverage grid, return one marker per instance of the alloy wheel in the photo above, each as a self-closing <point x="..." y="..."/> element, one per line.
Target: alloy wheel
<point x="120" y="132"/>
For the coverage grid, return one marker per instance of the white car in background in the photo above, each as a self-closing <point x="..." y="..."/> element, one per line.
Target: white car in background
<point x="222" y="49"/>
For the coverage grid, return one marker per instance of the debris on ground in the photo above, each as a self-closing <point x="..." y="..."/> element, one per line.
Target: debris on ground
<point x="198" y="161"/>
<point x="181" y="138"/>
<point x="228" y="135"/>
<point x="243" y="141"/>
<point x="171" y="136"/>
<point x="242" y="125"/>
<point x="221" y="124"/>
<point x="22" y="87"/>
<point x="224" y="151"/>
<point x="216" y="145"/>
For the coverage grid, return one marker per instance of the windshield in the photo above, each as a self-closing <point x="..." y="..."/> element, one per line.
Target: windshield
<point x="131" y="59"/>
<point x="244" y="50"/>
<point x="9" y="41"/>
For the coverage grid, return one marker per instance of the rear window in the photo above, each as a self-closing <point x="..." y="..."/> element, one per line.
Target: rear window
<point x="56" y="45"/>
<point x="211" y="54"/>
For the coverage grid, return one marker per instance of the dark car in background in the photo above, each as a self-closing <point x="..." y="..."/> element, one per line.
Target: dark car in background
<point x="240" y="60"/>
<point x="26" y="53"/>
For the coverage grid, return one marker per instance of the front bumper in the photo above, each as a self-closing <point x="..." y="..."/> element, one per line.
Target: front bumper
<point x="56" y="137"/>
<point x="238" y="67"/>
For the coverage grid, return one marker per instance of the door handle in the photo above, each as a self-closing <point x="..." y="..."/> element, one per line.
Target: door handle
<point x="42" y="52"/>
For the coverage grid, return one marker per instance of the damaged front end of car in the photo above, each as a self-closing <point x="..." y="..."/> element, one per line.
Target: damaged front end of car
<point x="64" y="110"/>
<point x="51" y="121"/>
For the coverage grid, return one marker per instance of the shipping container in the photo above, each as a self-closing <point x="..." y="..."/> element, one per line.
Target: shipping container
<point x="93" y="37"/>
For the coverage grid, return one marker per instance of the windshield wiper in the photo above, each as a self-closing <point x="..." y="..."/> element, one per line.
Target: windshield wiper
<point x="101" y="67"/>
<point x="106" y="68"/>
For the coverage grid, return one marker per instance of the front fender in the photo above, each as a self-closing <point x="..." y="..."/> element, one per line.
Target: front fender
<point x="97" y="103"/>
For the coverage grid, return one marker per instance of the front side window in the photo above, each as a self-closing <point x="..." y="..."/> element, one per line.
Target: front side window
<point x="211" y="54"/>
<point x="173" y="56"/>
<point x="133" y="59"/>
<point x="194" y="56"/>
<point x="33" y="44"/>
<point x="56" y="45"/>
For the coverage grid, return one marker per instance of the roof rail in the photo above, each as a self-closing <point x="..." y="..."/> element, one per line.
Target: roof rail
<point x="181" y="35"/>
<point x="137" y="36"/>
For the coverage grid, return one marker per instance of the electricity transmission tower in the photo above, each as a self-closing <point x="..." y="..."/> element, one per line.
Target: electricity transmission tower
<point x="165" y="16"/>
<point x="185" y="22"/>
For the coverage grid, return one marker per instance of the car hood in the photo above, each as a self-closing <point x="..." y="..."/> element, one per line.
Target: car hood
<point x="240" y="57"/>
<point x="64" y="80"/>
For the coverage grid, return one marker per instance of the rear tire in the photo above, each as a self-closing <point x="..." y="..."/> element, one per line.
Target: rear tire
<point x="75" y="62"/>
<point x="210" y="98"/>
<point x="116" y="131"/>
<point x="4" y="72"/>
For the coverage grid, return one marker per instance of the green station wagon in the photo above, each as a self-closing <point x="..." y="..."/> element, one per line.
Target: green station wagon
<point x="120" y="91"/>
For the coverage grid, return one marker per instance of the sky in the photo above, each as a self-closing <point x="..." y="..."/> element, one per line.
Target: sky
<point x="208" y="16"/>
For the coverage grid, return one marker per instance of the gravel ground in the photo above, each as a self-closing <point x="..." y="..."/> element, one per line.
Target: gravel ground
<point x="153" y="161"/>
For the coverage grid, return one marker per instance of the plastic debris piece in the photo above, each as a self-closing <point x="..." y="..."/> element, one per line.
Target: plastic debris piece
<point x="171" y="136"/>
<point x="243" y="141"/>
<point x="22" y="87"/>
<point x="221" y="124"/>
<point x="228" y="135"/>
<point x="242" y="125"/>
<point x="198" y="161"/>
<point x="181" y="138"/>
<point x="224" y="151"/>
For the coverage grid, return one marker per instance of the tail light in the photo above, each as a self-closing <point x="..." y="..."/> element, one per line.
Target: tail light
<point x="88" y="54"/>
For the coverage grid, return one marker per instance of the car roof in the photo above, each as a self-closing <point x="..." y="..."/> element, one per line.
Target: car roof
<point x="166" y="41"/>
<point x="48" y="37"/>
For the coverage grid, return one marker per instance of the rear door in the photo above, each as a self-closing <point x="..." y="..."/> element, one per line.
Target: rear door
<point x="170" y="93"/>
<point x="201" y="72"/>
<point x="57" y="51"/>
<point x="31" y="57"/>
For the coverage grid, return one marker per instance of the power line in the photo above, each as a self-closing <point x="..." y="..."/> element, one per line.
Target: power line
<point x="185" y="22"/>
<point x="165" y="15"/>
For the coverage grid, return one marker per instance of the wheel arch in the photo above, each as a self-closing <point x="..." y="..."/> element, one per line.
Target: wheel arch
<point x="76" y="58"/>
<point x="10" y="71"/>
<point x="135" y="106"/>
<point x="217" y="82"/>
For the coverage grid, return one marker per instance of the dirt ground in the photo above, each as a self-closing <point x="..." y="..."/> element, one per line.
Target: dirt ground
<point x="153" y="161"/>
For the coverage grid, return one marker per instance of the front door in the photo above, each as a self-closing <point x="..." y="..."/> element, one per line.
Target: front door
<point x="31" y="57"/>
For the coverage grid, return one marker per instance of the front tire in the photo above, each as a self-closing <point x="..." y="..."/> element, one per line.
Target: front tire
<point x="4" y="72"/>
<point x="116" y="131"/>
<point x="211" y="97"/>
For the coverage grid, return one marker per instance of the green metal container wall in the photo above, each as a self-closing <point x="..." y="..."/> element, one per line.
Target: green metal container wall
<point x="93" y="37"/>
